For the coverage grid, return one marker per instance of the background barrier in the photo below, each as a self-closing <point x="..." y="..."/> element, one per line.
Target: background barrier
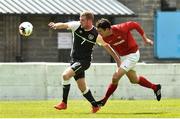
<point x="31" y="81"/>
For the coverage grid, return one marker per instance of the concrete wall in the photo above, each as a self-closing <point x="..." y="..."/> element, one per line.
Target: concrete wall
<point x="42" y="81"/>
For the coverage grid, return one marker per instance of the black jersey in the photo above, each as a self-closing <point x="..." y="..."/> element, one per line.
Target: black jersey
<point x="83" y="43"/>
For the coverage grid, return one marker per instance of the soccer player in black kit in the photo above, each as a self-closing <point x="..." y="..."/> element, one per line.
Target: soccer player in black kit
<point x="85" y="36"/>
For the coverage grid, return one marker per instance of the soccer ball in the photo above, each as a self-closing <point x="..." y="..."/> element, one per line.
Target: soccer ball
<point x="25" y="28"/>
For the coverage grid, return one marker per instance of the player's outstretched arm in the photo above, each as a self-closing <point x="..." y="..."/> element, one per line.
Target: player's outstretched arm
<point x="58" y="25"/>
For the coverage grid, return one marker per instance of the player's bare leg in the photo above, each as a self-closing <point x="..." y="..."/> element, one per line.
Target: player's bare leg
<point x="67" y="74"/>
<point x="113" y="86"/>
<point x="144" y="82"/>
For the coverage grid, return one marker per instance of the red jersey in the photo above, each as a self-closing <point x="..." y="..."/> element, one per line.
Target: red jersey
<point x="122" y="40"/>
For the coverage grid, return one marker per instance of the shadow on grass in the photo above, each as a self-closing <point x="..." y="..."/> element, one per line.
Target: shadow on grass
<point x="135" y="113"/>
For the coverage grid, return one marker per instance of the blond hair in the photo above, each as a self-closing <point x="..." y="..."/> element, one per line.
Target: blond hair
<point x="88" y="14"/>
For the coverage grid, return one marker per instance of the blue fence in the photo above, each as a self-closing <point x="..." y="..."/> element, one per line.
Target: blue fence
<point x="167" y="35"/>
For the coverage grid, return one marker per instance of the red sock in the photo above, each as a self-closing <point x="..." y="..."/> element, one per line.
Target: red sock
<point x="109" y="92"/>
<point x="145" y="83"/>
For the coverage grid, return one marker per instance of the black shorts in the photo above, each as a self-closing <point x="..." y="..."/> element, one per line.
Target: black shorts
<point x="79" y="68"/>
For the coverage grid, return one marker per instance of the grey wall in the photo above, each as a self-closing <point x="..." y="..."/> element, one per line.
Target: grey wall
<point x="42" y="45"/>
<point x="43" y="81"/>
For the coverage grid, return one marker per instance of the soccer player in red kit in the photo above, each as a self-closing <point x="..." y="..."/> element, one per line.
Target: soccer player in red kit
<point x="121" y="40"/>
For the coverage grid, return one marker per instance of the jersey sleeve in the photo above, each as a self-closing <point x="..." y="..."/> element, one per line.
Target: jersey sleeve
<point x="73" y="25"/>
<point x="131" y="25"/>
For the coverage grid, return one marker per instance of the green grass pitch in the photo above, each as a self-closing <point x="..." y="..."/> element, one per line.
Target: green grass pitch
<point x="166" y="108"/>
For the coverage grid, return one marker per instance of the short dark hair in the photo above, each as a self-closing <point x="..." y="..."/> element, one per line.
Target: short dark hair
<point x="88" y="14"/>
<point x="103" y="23"/>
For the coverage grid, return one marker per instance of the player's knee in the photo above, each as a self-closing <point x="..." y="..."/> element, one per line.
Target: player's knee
<point x="133" y="81"/>
<point x="116" y="76"/>
<point x="65" y="76"/>
<point x="115" y="79"/>
<point x="65" y="80"/>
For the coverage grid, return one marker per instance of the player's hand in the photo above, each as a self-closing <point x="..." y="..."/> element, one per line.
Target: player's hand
<point x="149" y="41"/>
<point x="52" y="25"/>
